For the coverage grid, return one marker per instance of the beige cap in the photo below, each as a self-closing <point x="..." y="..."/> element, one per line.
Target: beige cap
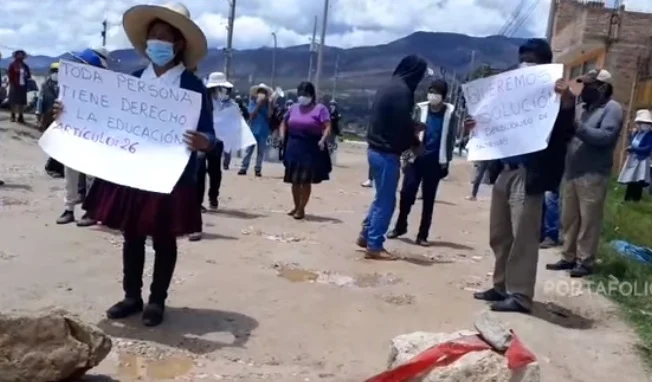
<point x="596" y="75"/>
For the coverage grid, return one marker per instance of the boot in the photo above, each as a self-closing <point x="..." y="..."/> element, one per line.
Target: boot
<point x="133" y="264"/>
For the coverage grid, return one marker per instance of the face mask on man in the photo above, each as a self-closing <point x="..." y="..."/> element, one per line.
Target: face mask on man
<point x="435" y="99"/>
<point x="590" y="93"/>
<point x="261" y="97"/>
<point x="160" y="52"/>
<point x="54" y="77"/>
<point x="304" y="100"/>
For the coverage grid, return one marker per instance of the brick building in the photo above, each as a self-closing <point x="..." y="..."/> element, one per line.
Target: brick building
<point x="587" y="34"/>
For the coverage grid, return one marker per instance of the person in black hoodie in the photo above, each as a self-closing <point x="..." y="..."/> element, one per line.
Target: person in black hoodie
<point x="517" y="199"/>
<point x="391" y="132"/>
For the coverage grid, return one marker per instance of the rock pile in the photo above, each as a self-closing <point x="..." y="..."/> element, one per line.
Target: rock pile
<point x="49" y="347"/>
<point x="477" y="366"/>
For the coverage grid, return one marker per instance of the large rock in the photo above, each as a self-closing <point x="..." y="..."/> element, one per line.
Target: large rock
<point x="481" y="366"/>
<point x="49" y="347"/>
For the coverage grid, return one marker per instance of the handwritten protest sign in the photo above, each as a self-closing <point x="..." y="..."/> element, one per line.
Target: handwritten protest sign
<point x="121" y="129"/>
<point x="232" y="129"/>
<point x="515" y="111"/>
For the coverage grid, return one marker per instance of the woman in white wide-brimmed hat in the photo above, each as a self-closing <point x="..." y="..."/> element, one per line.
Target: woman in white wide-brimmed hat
<point x="219" y="90"/>
<point x="636" y="170"/>
<point x="260" y="116"/>
<point x="172" y="42"/>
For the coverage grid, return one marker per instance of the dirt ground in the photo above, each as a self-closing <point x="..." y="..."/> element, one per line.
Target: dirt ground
<point x="265" y="297"/>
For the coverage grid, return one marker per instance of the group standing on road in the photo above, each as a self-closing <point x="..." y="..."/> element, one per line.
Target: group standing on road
<point x="415" y="140"/>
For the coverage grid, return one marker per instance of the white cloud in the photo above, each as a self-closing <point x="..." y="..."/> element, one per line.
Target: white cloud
<point x="53" y="26"/>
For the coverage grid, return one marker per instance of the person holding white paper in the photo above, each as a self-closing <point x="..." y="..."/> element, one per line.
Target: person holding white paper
<point x="517" y="200"/>
<point x="219" y="90"/>
<point x="172" y="42"/>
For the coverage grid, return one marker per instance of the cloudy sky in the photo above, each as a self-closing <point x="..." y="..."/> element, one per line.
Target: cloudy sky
<point x="52" y="27"/>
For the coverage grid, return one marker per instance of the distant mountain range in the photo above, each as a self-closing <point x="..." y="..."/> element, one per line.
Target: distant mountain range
<point x="359" y="67"/>
<point x="360" y="70"/>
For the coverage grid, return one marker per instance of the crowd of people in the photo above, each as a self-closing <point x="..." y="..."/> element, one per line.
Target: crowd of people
<point x="304" y="132"/>
<point x="574" y="171"/>
<point x="416" y="140"/>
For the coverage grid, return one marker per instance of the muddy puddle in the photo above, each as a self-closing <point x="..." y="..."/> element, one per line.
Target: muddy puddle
<point x="137" y="367"/>
<point x="365" y="280"/>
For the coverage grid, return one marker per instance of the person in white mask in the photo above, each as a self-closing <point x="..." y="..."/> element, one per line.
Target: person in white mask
<point x="430" y="165"/>
<point x="307" y="126"/>
<point x="210" y="163"/>
<point x="635" y="172"/>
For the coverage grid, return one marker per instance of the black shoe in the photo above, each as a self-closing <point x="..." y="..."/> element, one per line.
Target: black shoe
<point x="510" y="304"/>
<point x="242" y="172"/>
<point x="258" y="174"/>
<point x="13" y="118"/>
<point x="491" y="295"/>
<point x="66" y="217"/>
<point x="153" y="314"/>
<point x="86" y="221"/>
<point x="422" y="242"/>
<point x="2" y="182"/>
<point x="561" y="265"/>
<point x="361" y="242"/>
<point x="580" y="271"/>
<point x="396" y="233"/>
<point x="203" y="210"/>
<point x="21" y="119"/>
<point x="197" y="236"/>
<point x="548" y="243"/>
<point x="225" y="168"/>
<point x="125" y="308"/>
<point x="214" y="204"/>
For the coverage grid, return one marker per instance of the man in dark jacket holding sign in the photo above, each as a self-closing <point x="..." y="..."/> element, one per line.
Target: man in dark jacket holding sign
<point x="391" y="132"/>
<point x="517" y="200"/>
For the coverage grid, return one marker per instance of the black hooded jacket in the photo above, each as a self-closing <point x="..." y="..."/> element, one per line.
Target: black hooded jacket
<point x="392" y="128"/>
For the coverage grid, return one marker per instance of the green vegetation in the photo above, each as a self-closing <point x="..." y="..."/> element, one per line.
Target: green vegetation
<point x="631" y="222"/>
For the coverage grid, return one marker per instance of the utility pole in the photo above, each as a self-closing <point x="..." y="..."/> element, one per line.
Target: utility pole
<point x="228" y="51"/>
<point x="104" y="28"/>
<point x="313" y="48"/>
<point x="472" y="64"/>
<point x="322" y="42"/>
<point x="551" y="20"/>
<point x="337" y="71"/>
<point x="274" y="59"/>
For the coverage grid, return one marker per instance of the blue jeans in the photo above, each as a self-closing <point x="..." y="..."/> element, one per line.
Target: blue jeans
<point x="386" y="170"/>
<point x="261" y="145"/>
<point x="551" y="216"/>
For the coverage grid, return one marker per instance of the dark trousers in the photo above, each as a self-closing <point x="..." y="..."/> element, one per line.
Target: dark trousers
<point x="211" y="165"/>
<point x="634" y="191"/>
<point x="133" y="264"/>
<point x="425" y="171"/>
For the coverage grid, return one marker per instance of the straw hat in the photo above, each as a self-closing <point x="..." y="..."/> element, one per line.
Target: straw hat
<point x="137" y="19"/>
<point x="218" y="79"/>
<point x="254" y="89"/>
<point x="644" y="116"/>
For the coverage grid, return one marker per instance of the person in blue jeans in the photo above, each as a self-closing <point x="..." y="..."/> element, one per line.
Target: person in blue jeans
<point x="550" y="226"/>
<point x="260" y="114"/>
<point x="391" y="132"/>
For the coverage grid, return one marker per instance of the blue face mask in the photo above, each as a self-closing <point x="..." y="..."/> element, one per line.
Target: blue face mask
<point x="160" y="52"/>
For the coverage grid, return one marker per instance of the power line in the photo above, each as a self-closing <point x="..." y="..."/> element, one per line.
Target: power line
<point x="523" y="18"/>
<point x="512" y="17"/>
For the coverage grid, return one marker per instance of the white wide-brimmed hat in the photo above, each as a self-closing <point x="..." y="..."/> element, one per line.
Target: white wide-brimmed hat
<point x="254" y="89"/>
<point x="137" y="19"/>
<point x="218" y="79"/>
<point x="644" y="116"/>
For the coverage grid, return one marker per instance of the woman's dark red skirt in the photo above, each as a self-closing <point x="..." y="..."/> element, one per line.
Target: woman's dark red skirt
<point x="144" y="213"/>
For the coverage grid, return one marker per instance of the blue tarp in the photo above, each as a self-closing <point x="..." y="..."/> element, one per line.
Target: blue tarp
<point x="631" y="251"/>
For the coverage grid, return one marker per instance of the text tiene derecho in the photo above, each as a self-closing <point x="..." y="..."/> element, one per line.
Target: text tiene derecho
<point x="502" y="110"/>
<point x="135" y="108"/>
